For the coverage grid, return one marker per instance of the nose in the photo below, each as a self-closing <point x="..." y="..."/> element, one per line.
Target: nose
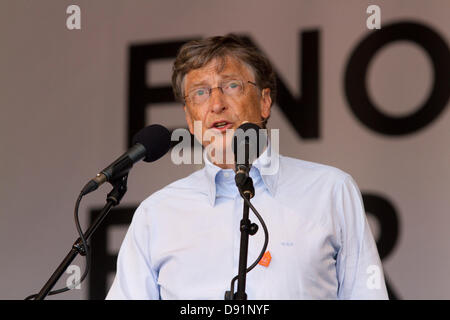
<point x="217" y="100"/>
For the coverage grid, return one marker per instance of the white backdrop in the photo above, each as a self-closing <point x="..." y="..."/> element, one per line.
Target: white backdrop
<point x="63" y="100"/>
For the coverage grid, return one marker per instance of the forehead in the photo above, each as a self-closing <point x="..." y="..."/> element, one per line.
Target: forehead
<point x="218" y="69"/>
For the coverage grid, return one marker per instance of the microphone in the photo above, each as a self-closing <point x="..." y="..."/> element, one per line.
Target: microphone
<point x="248" y="143"/>
<point x="149" y="144"/>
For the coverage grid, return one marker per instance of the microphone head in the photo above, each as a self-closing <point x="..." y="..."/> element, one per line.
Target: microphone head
<point x="156" y="141"/>
<point x="249" y="141"/>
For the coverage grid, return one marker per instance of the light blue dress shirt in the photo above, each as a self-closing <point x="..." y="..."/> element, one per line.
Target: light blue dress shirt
<point x="183" y="242"/>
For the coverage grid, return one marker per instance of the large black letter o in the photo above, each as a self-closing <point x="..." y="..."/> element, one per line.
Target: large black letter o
<point x="356" y="72"/>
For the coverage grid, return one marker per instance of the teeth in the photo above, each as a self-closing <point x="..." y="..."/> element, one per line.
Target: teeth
<point x="220" y="124"/>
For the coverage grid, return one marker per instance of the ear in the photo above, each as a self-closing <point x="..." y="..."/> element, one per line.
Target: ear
<point x="188" y="119"/>
<point x="266" y="103"/>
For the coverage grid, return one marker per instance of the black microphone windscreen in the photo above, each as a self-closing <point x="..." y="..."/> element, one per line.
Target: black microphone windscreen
<point x="252" y="135"/>
<point x="249" y="125"/>
<point x="155" y="139"/>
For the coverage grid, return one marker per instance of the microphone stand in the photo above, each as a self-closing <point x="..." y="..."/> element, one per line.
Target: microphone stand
<point x="246" y="189"/>
<point x="112" y="200"/>
<point x="247" y="228"/>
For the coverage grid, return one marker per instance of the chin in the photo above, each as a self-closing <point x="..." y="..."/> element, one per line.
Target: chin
<point x="220" y="151"/>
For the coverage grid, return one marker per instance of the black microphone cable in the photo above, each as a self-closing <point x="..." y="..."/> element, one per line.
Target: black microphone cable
<point x="266" y="240"/>
<point x="85" y="248"/>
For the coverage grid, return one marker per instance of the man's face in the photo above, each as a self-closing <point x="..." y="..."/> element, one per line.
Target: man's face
<point x="219" y="109"/>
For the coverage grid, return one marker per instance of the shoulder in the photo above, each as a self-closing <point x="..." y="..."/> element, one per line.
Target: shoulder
<point x="193" y="184"/>
<point x="307" y="172"/>
<point x="326" y="187"/>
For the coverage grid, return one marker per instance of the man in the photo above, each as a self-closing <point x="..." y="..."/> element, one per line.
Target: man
<point x="183" y="242"/>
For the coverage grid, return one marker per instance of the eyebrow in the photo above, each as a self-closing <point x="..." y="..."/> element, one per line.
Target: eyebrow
<point x="200" y="83"/>
<point x="231" y="76"/>
<point x="222" y="77"/>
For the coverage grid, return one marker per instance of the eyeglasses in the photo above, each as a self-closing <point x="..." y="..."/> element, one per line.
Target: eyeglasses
<point x="230" y="88"/>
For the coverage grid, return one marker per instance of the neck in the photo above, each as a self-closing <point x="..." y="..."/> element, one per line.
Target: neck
<point x="229" y="164"/>
<point x="224" y="165"/>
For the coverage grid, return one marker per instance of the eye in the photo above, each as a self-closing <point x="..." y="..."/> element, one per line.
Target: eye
<point x="200" y="92"/>
<point x="233" y="84"/>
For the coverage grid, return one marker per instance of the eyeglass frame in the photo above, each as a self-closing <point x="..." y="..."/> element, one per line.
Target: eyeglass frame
<point x="221" y="89"/>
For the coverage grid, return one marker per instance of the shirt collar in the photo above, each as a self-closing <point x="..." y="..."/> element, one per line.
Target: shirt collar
<point x="266" y="166"/>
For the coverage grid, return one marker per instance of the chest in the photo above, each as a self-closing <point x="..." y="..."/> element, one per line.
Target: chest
<point x="196" y="252"/>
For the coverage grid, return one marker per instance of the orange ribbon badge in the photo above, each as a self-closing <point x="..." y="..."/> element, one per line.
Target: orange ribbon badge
<point x="265" y="260"/>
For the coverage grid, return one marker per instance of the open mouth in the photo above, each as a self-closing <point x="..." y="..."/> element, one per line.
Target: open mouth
<point x="222" y="125"/>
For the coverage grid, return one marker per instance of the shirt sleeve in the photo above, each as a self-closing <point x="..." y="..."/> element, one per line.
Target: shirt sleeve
<point x="135" y="279"/>
<point x="359" y="269"/>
